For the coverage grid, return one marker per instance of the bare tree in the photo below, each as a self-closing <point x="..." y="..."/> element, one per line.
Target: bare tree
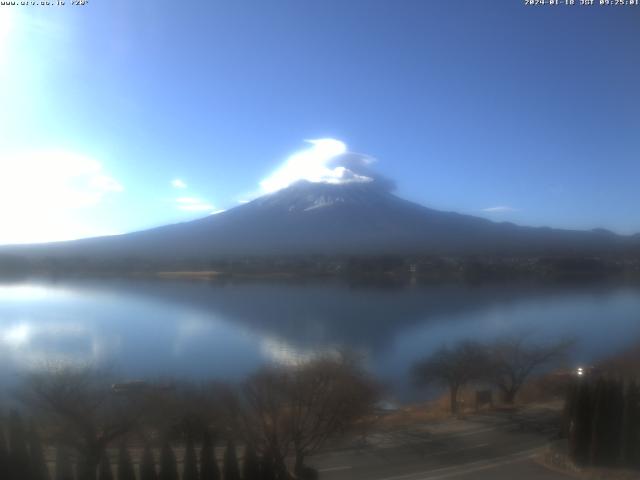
<point x="453" y="367"/>
<point x="81" y="410"/>
<point x="262" y="417"/>
<point x="327" y="398"/>
<point x="300" y="408"/>
<point x="182" y="410"/>
<point x="514" y="359"/>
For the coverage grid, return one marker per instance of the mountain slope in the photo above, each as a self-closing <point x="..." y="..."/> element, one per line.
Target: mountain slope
<point x="320" y="218"/>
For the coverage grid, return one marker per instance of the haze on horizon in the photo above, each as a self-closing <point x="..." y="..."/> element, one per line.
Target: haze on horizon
<point x="117" y="116"/>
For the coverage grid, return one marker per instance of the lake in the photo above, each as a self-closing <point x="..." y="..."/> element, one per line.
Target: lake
<point x="197" y="330"/>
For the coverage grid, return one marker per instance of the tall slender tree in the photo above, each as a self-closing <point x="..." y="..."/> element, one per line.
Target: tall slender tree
<point x="267" y="468"/>
<point x="272" y="467"/>
<point x="125" y="465"/>
<point x="148" y="465"/>
<point x="64" y="467"/>
<point x="230" y="469"/>
<point x="568" y="415"/>
<point x="606" y="433"/>
<point x="168" y="464"/>
<point x="19" y="465"/>
<point x="616" y="428"/>
<point x="104" y="468"/>
<point x="39" y="469"/>
<point x="580" y="425"/>
<point x="190" y="461"/>
<point x="251" y="464"/>
<point x="631" y="431"/>
<point x="599" y="427"/>
<point x="208" y="464"/>
<point x="4" y="455"/>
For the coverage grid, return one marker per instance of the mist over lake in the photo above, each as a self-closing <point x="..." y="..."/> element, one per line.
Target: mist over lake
<point x="202" y="330"/>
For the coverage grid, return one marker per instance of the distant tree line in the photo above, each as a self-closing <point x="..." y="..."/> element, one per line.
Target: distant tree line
<point x="356" y="268"/>
<point x="602" y="422"/>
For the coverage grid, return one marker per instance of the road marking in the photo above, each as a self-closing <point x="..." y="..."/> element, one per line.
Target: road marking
<point x="471" y="467"/>
<point x="335" y="469"/>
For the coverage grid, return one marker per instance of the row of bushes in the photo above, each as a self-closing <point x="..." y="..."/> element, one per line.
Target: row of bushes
<point x="602" y="422"/>
<point x="23" y="458"/>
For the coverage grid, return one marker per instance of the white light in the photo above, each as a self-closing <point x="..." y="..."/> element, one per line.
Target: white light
<point x="42" y="195"/>
<point x="177" y="183"/>
<point x="17" y="336"/>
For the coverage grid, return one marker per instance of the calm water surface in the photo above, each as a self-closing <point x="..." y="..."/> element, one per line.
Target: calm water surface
<point x="200" y="330"/>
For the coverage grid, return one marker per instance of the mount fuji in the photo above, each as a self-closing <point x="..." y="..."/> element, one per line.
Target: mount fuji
<point x="336" y="219"/>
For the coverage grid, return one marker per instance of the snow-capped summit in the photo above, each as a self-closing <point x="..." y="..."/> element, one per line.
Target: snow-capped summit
<point x="304" y="196"/>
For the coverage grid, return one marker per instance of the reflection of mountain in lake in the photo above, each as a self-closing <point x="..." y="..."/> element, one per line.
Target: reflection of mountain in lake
<point x="309" y="315"/>
<point x="214" y="330"/>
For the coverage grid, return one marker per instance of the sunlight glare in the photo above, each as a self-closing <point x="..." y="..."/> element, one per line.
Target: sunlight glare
<point x="17" y="335"/>
<point x="41" y="190"/>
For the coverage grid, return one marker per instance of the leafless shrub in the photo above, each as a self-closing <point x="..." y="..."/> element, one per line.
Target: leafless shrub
<point x="79" y="408"/>
<point x="453" y="367"/>
<point x="300" y="409"/>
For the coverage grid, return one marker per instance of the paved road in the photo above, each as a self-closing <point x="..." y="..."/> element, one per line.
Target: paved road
<point x="480" y="448"/>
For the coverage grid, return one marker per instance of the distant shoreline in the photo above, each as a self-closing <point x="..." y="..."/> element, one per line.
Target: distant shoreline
<point x="363" y="269"/>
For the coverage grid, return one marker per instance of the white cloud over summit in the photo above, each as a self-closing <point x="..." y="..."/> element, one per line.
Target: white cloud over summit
<point x="326" y="160"/>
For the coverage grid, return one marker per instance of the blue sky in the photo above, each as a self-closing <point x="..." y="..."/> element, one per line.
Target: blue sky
<point x="526" y="114"/>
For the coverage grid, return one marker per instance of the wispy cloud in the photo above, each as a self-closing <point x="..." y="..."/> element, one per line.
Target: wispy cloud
<point x="187" y="200"/>
<point x="193" y="204"/>
<point x="500" y="209"/>
<point x="197" y="207"/>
